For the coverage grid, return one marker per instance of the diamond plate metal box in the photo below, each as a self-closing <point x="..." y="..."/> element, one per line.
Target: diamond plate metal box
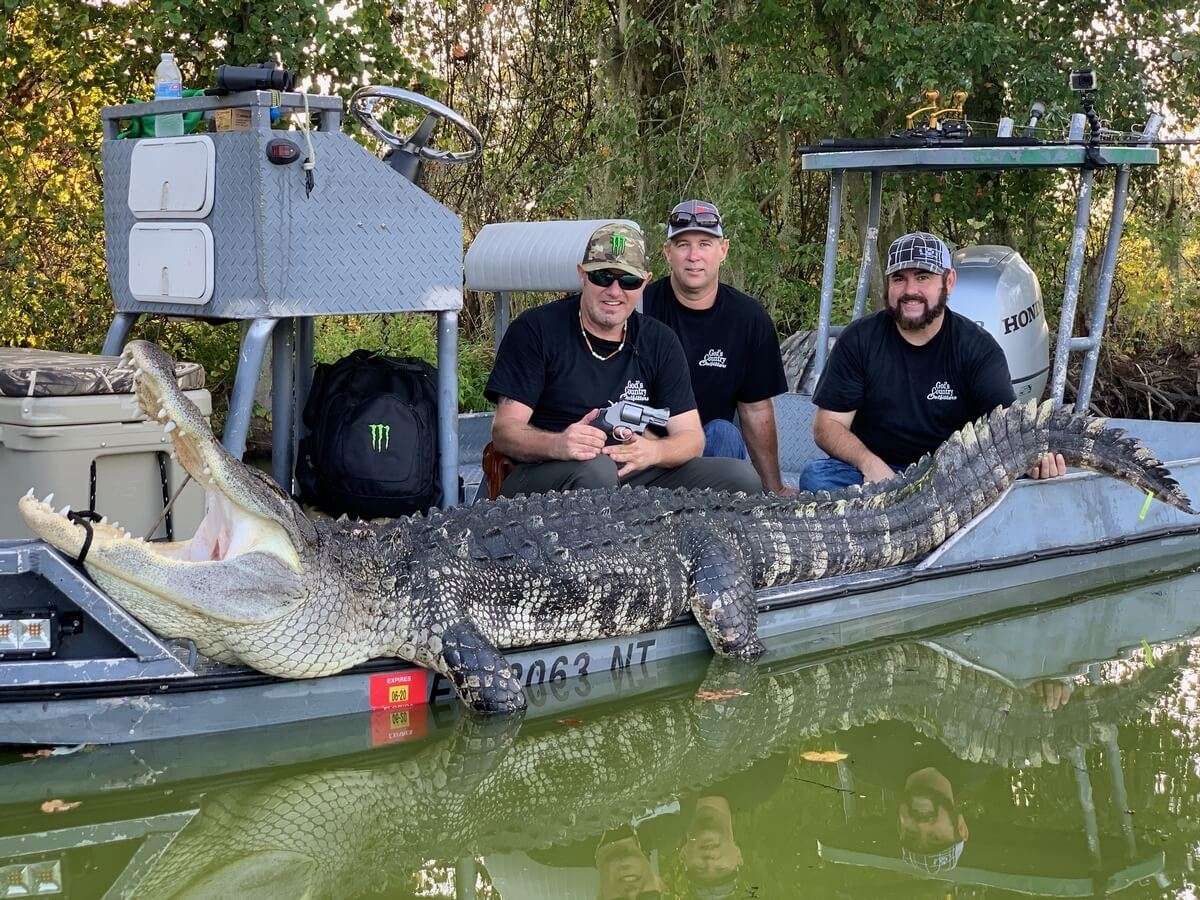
<point x="365" y="241"/>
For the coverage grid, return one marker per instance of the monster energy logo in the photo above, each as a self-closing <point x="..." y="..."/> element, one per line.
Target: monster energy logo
<point x="379" y="437"/>
<point x="618" y="244"/>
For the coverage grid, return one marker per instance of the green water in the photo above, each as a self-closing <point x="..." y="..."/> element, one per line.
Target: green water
<point x="1052" y="753"/>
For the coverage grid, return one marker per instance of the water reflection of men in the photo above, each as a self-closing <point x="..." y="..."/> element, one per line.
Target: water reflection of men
<point x="710" y="854"/>
<point x="928" y="783"/>
<point x="626" y="871"/>
<point x="933" y="832"/>
<point x="690" y="836"/>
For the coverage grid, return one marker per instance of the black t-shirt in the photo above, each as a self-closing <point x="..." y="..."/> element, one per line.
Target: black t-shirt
<point x="544" y="363"/>
<point x="908" y="399"/>
<point x="731" y="348"/>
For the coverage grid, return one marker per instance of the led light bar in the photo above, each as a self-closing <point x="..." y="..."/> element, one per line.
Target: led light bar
<point x="39" y="879"/>
<point x="25" y="634"/>
<point x="28" y="632"/>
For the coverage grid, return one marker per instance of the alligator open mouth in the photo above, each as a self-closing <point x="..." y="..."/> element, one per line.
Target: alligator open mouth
<point x="249" y="537"/>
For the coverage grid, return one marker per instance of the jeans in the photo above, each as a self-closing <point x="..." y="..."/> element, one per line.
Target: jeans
<point x="723" y="439"/>
<point x="830" y="474"/>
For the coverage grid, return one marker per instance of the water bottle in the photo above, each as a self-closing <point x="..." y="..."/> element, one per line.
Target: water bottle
<point x="168" y="85"/>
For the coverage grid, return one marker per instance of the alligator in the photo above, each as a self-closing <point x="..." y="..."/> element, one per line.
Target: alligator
<point x="263" y="585"/>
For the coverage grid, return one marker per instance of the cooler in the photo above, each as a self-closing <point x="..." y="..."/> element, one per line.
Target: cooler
<point x="69" y="424"/>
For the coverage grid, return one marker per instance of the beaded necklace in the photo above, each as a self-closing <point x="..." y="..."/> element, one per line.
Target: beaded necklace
<point x="587" y="340"/>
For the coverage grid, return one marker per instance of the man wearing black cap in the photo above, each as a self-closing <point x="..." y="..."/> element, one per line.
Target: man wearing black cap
<point x="727" y="337"/>
<point x="560" y="363"/>
<point x="901" y="381"/>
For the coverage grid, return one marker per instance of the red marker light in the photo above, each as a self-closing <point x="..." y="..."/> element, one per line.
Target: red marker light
<point x="281" y="152"/>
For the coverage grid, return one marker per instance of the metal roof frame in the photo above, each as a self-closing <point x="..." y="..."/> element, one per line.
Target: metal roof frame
<point x="1074" y="154"/>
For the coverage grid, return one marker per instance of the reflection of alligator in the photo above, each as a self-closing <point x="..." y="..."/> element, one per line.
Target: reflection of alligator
<point x="262" y="585"/>
<point x="488" y="791"/>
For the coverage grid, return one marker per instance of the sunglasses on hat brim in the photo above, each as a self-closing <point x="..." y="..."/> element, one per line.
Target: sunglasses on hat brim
<point x="702" y="220"/>
<point x="603" y="278"/>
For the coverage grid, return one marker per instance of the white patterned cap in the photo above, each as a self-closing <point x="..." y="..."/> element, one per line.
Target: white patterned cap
<point x="919" y="250"/>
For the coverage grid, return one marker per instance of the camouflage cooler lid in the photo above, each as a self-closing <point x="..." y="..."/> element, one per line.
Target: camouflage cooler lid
<point x="44" y="373"/>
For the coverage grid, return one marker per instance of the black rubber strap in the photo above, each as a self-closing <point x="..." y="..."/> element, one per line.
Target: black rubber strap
<point x="166" y="495"/>
<point x="84" y="517"/>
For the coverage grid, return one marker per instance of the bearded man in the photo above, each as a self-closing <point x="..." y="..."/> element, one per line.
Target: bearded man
<point x="901" y="381"/>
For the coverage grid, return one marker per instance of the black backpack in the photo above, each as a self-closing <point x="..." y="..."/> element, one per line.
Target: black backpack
<point x="371" y="448"/>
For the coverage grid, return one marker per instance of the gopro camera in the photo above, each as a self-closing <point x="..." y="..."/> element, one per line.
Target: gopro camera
<point x="1082" y="80"/>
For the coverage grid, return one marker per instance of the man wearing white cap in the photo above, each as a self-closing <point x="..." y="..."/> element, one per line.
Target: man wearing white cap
<point x="901" y="381"/>
<point x="728" y="338"/>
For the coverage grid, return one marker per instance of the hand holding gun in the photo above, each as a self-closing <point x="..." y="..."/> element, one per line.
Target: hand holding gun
<point x="623" y="419"/>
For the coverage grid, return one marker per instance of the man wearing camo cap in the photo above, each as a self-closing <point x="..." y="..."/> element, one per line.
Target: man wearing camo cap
<point x="561" y="363"/>
<point x="901" y="381"/>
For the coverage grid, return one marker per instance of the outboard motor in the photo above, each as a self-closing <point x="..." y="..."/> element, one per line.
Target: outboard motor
<point x="997" y="290"/>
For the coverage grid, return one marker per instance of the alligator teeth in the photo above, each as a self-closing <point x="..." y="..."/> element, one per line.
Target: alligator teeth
<point x="169" y="427"/>
<point x="49" y="501"/>
<point x="162" y="412"/>
<point x="66" y="509"/>
<point x="104" y="520"/>
<point x="29" y="493"/>
<point x="207" y="470"/>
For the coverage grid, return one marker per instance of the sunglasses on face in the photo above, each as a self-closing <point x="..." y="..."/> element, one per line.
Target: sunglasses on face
<point x="624" y="279"/>
<point x="704" y="220"/>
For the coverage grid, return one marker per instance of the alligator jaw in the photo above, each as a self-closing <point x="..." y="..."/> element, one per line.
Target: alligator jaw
<point x="251" y="529"/>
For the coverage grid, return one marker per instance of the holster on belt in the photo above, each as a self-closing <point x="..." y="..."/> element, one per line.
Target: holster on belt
<point x="496" y="467"/>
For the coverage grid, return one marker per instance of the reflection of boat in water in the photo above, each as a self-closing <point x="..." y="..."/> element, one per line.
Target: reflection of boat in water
<point x="345" y="823"/>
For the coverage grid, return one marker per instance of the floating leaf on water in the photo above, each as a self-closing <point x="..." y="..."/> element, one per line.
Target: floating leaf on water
<point x="44" y="753"/>
<point x="57" y="806"/>
<point x="569" y="722"/>
<point x="823" y="756"/>
<point x="725" y="694"/>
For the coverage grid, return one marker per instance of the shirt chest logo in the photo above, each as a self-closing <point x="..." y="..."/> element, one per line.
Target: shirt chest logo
<point x="942" y="391"/>
<point x="636" y="392"/>
<point x="714" y="359"/>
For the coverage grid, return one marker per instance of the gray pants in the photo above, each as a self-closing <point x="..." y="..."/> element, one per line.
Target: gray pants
<point x="601" y="472"/>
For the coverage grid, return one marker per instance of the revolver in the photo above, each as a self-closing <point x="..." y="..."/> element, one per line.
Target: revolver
<point x="623" y="419"/>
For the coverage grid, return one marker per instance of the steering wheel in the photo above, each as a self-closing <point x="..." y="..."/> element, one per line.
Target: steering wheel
<point x="362" y="107"/>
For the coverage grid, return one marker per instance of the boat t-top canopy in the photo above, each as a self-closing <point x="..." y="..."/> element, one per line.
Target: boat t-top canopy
<point x="910" y="155"/>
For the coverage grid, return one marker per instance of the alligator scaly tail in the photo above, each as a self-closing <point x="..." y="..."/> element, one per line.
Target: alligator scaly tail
<point x="899" y="520"/>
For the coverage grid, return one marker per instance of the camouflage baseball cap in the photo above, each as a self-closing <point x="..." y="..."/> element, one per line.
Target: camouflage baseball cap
<point x="616" y="246"/>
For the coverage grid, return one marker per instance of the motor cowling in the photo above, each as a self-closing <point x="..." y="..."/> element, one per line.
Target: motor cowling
<point x="998" y="291"/>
